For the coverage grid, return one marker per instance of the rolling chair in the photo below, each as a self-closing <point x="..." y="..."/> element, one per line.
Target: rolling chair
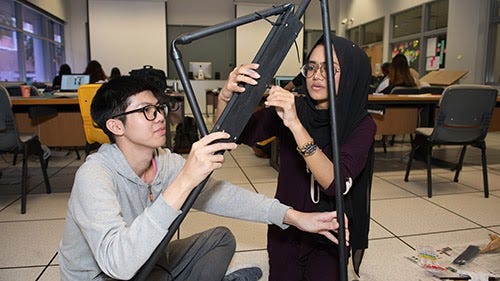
<point x="94" y="136"/>
<point x="463" y="119"/>
<point x="23" y="143"/>
<point x="398" y="90"/>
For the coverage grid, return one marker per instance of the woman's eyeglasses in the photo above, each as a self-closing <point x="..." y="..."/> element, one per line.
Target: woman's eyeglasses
<point x="309" y="69"/>
<point x="150" y="111"/>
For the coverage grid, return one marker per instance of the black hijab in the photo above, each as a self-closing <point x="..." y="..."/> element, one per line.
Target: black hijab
<point x="351" y="97"/>
<point x="350" y="101"/>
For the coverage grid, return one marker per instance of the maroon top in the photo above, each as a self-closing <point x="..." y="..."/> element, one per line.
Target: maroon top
<point x="292" y="246"/>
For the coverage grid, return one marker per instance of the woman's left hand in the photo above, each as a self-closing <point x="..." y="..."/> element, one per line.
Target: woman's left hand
<point x="284" y="102"/>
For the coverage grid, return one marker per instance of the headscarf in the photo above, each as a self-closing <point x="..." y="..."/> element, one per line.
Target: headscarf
<point x="350" y="100"/>
<point x="350" y="103"/>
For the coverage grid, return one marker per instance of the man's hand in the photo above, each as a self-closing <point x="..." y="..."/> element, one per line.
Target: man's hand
<point x="321" y="223"/>
<point x="201" y="161"/>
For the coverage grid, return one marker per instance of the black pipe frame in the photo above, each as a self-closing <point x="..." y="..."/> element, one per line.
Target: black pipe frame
<point x="226" y="119"/>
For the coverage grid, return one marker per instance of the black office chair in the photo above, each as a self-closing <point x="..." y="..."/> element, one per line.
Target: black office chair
<point x="435" y="90"/>
<point x="405" y="90"/>
<point x="463" y="119"/>
<point x="26" y="144"/>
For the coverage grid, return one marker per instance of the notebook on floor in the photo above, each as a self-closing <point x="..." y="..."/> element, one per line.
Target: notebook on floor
<point x="70" y="84"/>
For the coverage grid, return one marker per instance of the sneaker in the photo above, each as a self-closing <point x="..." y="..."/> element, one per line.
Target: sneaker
<point x="244" y="274"/>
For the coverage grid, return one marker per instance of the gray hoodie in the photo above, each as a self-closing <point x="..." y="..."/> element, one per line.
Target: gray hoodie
<point x="113" y="228"/>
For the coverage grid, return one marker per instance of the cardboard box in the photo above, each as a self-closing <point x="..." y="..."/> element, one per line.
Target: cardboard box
<point x="443" y="77"/>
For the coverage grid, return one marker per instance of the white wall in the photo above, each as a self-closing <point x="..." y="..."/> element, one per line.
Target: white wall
<point x="129" y="37"/>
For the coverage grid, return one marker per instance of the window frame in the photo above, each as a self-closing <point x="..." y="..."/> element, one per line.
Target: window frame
<point x="421" y="36"/>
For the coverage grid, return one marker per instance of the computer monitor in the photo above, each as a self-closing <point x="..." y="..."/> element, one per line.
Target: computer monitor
<point x="71" y="82"/>
<point x="201" y="69"/>
<point x="282" y="80"/>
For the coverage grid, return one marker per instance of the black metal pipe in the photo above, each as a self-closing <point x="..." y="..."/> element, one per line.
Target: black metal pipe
<point x="339" y="183"/>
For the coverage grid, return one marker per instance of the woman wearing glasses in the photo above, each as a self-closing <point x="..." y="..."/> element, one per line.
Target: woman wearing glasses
<point x="306" y="174"/>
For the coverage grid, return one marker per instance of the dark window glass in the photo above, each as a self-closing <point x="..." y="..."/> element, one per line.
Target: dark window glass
<point x="438" y="15"/>
<point x="353" y="35"/>
<point x="373" y="32"/>
<point x="407" y="22"/>
<point x="32" y="21"/>
<point x="7" y="14"/>
<point x="9" y="66"/>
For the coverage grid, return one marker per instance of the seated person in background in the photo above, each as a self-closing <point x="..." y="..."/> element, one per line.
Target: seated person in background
<point x="400" y="74"/>
<point x="97" y="75"/>
<point x="385" y="80"/>
<point x="115" y="72"/>
<point x="126" y="196"/>
<point x="64" y="69"/>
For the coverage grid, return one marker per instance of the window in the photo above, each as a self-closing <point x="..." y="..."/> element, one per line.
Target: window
<point x="419" y="30"/>
<point x="493" y="65"/>
<point x="369" y="37"/>
<point x="31" y="44"/>
<point x="407" y="23"/>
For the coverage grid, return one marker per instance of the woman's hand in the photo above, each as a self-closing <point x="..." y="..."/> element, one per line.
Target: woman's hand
<point x="284" y="102"/>
<point x="243" y="74"/>
<point x="322" y="223"/>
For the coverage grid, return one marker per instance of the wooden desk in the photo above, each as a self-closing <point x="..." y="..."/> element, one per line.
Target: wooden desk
<point x="63" y="129"/>
<point x="402" y="107"/>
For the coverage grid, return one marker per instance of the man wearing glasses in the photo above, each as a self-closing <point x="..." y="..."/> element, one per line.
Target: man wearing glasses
<point x="126" y="196"/>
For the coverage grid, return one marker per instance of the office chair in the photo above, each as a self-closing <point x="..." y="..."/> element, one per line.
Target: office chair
<point x="26" y="144"/>
<point x="435" y="90"/>
<point x="463" y="119"/>
<point x="405" y="91"/>
<point x="93" y="134"/>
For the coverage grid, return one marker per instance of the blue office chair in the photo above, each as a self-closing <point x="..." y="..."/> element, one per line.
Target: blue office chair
<point x="463" y="119"/>
<point x="26" y="144"/>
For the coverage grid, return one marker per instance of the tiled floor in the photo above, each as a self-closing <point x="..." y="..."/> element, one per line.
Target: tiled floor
<point x="403" y="218"/>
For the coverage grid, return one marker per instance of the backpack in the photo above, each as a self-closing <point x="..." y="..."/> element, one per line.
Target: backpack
<point x="156" y="77"/>
<point x="186" y="134"/>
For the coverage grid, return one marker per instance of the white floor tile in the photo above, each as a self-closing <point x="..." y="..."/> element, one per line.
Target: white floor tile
<point x="29" y="243"/>
<point x="410" y="216"/>
<point x="473" y="206"/>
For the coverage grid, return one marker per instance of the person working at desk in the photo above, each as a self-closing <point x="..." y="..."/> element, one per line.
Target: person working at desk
<point x="306" y="169"/>
<point x="64" y="69"/>
<point x="400" y="75"/>
<point x="126" y="196"/>
<point x="96" y="72"/>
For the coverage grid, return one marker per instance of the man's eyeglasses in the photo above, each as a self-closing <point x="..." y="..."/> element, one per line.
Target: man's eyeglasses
<point x="309" y="69"/>
<point x="150" y="111"/>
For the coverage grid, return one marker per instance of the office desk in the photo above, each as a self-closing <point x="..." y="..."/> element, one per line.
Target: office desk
<point x="62" y="129"/>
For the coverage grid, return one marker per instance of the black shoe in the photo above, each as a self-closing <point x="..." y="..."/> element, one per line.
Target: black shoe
<point x="244" y="274"/>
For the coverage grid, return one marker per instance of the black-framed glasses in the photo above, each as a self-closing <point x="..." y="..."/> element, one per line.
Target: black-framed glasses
<point x="150" y="111"/>
<point x="309" y="69"/>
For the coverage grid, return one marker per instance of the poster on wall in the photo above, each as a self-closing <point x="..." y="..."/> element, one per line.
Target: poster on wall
<point x="411" y="49"/>
<point x="432" y="63"/>
<point x="435" y="53"/>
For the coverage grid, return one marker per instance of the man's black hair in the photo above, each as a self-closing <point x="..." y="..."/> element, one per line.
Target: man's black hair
<point x="113" y="97"/>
